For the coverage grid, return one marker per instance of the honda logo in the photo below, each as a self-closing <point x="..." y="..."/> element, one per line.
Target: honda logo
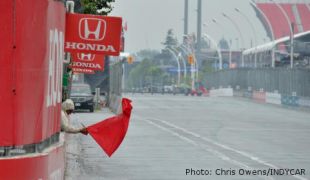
<point x="85" y="57"/>
<point x="92" y="29"/>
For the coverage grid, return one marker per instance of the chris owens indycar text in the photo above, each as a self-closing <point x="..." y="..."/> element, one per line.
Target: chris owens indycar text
<point x="246" y="172"/>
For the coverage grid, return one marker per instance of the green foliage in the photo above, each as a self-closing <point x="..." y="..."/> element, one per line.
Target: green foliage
<point x="98" y="7"/>
<point x="145" y="73"/>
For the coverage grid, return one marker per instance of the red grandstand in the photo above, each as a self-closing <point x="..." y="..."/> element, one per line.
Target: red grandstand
<point x="297" y="12"/>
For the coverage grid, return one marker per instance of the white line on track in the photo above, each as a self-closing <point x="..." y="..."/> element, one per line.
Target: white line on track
<point x="216" y="153"/>
<point x="220" y="155"/>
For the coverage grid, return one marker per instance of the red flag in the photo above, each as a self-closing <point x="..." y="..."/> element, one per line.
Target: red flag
<point x="110" y="132"/>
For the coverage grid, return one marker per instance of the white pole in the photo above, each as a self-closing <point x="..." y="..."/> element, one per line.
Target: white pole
<point x="178" y="63"/>
<point x="70" y="6"/>
<point x="196" y="68"/>
<point x="191" y="69"/>
<point x="184" y="62"/>
<point x="217" y="49"/>
<point x="240" y="34"/>
<point x="123" y="77"/>
<point x="230" y="43"/>
<point x="291" y="31"/>
<point x="255" y="36"/>
<point x="271" y="31"/>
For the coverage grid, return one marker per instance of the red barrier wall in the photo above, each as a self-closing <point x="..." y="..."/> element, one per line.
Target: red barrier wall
<point x="31" y="51"/>
<point x="45" y="166"/>
<point x="6" y="57"/>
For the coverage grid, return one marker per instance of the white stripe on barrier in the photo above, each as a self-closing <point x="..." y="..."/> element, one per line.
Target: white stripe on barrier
<point x="273" y="98"/>
<point x="304" y="102"/>
<point x="227" y="92"/>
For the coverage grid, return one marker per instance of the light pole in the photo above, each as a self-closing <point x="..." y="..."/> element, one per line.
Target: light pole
<point x="178" y="63"/>
<point x="240" y="34"/>
<point x="217" y="49"/>
<point x="215" y="22"/>
<point x="290" y="24"/>
<point x="230" y="44"/>
<point x="184" y="64"/>
<point x="270" y="29"/>
<point x="188" y="52"/>
<point x="254" y="32"/>
<point x="237" y="43"/>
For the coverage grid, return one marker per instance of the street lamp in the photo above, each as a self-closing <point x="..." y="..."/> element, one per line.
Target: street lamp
<point x="240" y="34"/>
<point x="217" y="49"/>
<point x="254" y="32"/>
<point x="291" y="30"/>
<point x="270" y="30"/>
<point x="178" y="63"/>
<point x="184" y="64"/>
<point x="215" y="22"/>
<point x="190" y="53"/>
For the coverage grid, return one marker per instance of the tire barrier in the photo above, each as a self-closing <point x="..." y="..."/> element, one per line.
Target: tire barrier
<point x="289" y="100"/>
<point x="238" y="93"/>
<point x="248" y="94"/>
<point x="273" y="98"/>
<point x="264" y="97"/>
<point x="259" y="96"/>
<point x="223" y="92"/>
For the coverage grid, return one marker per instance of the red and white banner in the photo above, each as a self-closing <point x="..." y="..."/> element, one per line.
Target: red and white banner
<point x="88" y="61"/>
<point x="93" y="34"/>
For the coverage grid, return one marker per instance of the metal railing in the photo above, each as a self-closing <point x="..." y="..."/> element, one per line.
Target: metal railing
<point x="284" y="81"/>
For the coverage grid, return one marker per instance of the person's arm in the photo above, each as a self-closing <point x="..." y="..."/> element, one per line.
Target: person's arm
<point x="66" y="127"/>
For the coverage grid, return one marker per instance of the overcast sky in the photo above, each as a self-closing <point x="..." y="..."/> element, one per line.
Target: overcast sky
<point x="149" y="20"/>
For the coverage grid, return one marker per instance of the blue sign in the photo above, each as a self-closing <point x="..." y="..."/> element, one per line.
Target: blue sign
<point x="175" y="70"/>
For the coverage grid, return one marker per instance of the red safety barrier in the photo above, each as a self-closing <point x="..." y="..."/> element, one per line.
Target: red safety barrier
<point x="49" y="165"/>
<point x="6" y="78"/>
<point x="259" y="96"/>
<point x="31" y="48"/>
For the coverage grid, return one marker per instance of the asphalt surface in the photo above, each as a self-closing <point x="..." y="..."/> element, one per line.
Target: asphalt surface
<point x="221" y="138"/>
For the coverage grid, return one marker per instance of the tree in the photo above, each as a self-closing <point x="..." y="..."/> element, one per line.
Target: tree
<point x="148" y="54"/>
<point x="98" y="7"/>
<point x="144" y="74"/>
<point x="223" y="44"/>
<point x="171" y="40"/>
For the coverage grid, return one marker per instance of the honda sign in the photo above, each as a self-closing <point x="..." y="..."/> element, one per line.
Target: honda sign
<point x="88" y="61"/>
<point x="93" y="34"/>
<point x="96" y="34"/>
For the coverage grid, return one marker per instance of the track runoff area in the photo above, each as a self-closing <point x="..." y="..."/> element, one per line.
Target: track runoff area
<point x="224" y="138"/>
